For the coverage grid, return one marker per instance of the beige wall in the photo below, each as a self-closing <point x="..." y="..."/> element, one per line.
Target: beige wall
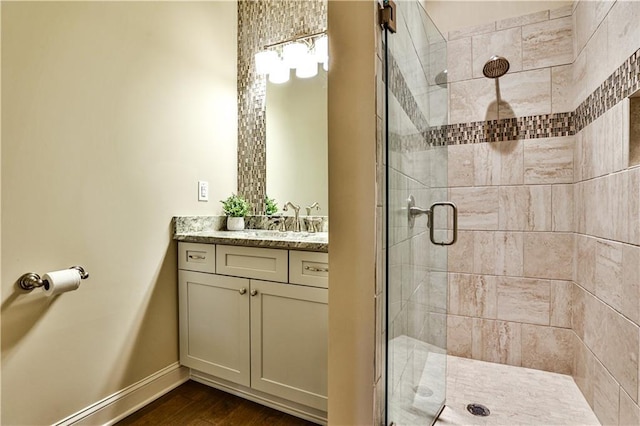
<point x="111" y="113"/>
<point x="452" y="14"/>
<point x="352" y="177"/>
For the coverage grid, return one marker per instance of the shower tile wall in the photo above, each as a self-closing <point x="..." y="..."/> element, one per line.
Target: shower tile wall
<point x="533" y="45"/>
<point x="511" y="270"/>
<point x="547" y="270"/>
<point x="606" y="289"/>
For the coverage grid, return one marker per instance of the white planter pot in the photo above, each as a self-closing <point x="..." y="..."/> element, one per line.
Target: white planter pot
<point x="235" y="223"/>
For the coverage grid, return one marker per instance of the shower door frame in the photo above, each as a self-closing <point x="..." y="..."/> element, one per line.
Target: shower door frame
<point x="388" y="21"/>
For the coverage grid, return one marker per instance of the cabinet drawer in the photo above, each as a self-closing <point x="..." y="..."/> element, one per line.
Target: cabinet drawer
<point x="309" y="268"/>
<point x="197" y="257"/>
<point x="251" y="262"/>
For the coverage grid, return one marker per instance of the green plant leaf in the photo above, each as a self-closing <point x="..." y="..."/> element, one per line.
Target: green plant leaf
<point x="235" y="206"/>
<point x="270" y="206"/>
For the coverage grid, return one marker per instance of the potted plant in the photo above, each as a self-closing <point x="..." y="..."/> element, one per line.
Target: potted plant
<point x="270" y="206"/>
<point x="235" y="208"/>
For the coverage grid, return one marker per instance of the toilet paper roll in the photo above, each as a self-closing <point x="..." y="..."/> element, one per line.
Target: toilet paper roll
<point x="57" y="282"/>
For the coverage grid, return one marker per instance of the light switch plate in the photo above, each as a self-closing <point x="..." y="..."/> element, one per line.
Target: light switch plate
<point x="203" y="190"/>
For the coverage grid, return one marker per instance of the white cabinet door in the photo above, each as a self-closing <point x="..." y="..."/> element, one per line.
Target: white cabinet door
<point x="289" y="342"/>
<point x="214" y="325"/>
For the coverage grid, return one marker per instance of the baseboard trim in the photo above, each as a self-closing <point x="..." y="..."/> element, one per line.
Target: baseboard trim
<point x="117" y="406"/>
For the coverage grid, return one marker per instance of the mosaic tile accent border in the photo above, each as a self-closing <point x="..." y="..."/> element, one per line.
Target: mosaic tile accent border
<point x="530" y="127"/>
<point x="407" y="143"/>
<point x="623" y="82"/>
<point x="619" y="85"/>
<point x="262" y="22"/>
<point x="400" y="89"/>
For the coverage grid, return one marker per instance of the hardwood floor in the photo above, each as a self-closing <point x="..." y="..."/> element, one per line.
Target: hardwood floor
<point x="195" y="404"/>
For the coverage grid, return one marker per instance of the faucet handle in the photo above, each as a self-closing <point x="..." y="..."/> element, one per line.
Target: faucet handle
<point x="313" y="224"/>
<point x="314" y="205"/>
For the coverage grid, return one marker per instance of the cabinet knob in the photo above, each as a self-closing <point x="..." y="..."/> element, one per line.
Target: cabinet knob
<point x="242" y="290"/>
<point x="254" y="292"/>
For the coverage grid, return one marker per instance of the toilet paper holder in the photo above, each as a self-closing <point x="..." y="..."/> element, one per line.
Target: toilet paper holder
<point x="31" y="280"/>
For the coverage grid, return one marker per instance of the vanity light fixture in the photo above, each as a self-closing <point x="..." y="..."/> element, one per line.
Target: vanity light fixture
<point x="308" y="67"/>
<point x="279" y="72"/>
<point x="302" y="53"/>
<point x="294" y="54"/>
<point x="265" y="61"/>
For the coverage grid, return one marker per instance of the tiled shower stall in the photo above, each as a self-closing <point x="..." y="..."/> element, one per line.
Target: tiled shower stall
<point x="543" y="166"/>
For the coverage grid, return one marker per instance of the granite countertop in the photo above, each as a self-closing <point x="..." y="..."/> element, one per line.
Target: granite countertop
<point x="307" y="241"/>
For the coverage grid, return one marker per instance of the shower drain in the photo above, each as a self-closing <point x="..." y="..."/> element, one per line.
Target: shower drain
<point x="478" y="410"/>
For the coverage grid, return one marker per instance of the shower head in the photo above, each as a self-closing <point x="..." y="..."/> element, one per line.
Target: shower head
<point x="496" y="66"/>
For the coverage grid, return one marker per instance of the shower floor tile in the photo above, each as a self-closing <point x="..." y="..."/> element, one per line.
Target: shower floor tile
<point x="514" y="395"/>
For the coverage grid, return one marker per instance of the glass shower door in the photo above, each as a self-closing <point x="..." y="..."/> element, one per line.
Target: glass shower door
<point x="416" y="237"/>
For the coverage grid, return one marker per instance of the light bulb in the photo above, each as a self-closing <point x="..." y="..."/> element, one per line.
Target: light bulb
<point x="308" y="67"/>
<point x="293" y="54"/>
<point x="322" y="49"/>
<point x="265" y="61"/>
<point x="279" y="73"/>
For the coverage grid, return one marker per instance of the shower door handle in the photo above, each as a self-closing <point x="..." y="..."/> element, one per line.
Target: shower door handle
<point x="454" y="237"/>
<point x="413" y="212"/>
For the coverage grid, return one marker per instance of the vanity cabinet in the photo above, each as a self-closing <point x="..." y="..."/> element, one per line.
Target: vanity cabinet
<point x="247" y="323"/>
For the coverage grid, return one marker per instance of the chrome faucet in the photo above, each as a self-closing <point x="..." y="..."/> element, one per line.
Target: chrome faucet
<point x="296" y="210"/>
<point x="314" y="205"/>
